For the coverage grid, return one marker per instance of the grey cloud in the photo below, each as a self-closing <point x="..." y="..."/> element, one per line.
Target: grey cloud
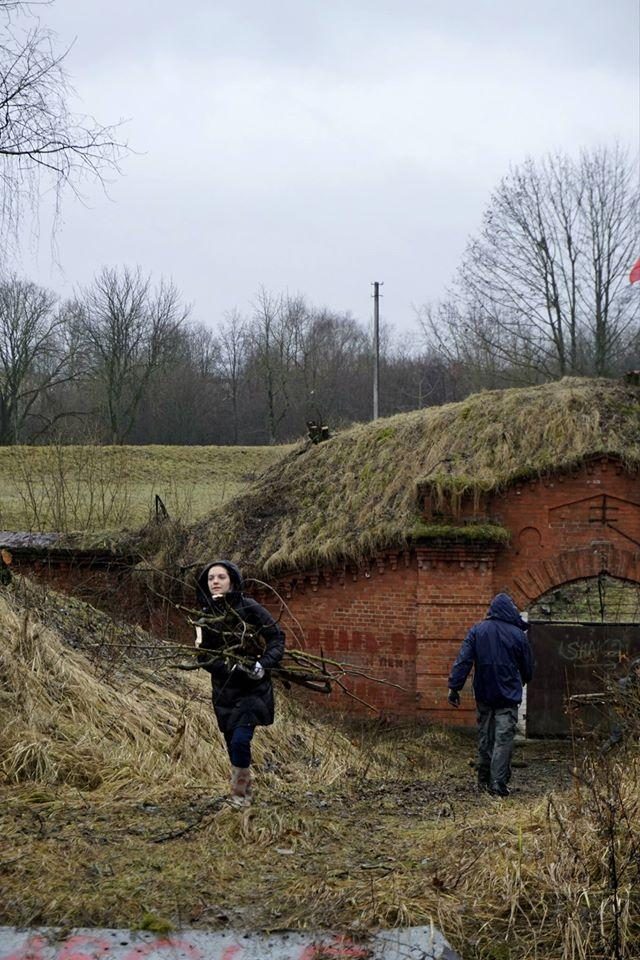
<point x="319" y="146"/>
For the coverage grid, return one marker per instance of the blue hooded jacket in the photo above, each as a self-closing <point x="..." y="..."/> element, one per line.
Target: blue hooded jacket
<point x="498" y="650"/>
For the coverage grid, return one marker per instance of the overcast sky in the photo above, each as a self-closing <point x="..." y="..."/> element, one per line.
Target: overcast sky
<point x="314" y="147"/>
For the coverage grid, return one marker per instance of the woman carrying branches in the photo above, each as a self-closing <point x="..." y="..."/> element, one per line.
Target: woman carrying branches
<point x="240" y="643"/>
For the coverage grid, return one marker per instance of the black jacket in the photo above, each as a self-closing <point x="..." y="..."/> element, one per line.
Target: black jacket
<point x="240" y="630"/>
<point x="498" y="650"/>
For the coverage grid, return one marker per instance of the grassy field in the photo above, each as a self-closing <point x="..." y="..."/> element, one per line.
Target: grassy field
<point x="68" y="488"/>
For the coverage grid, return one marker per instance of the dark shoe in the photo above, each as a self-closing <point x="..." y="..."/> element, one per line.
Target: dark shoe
<point x="499" y="790"/>
<point x="484" y="786"/>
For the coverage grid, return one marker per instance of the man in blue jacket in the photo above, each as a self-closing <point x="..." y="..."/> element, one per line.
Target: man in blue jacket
<point x="498" y="650"/>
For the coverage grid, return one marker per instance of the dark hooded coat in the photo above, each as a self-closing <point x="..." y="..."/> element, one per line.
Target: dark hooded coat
<point x="240" y="630"/>
<point x="498" y="650"/>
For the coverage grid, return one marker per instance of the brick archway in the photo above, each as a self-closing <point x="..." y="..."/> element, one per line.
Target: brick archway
<point x="589" y="561"/>
<point x="562" y="665"/>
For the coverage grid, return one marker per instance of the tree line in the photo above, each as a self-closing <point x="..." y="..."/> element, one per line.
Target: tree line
<point x="542" y="292"/>
<point x="123" y="362"/>
<point x="543" y="289"/>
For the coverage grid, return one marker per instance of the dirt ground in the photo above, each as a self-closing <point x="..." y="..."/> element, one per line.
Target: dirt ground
<point x="356" y="853"/>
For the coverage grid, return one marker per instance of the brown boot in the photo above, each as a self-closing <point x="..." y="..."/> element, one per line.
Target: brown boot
<point x="240" y="786"/>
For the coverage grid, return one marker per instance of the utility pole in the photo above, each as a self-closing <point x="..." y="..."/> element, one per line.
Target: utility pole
<point x="376" y="347"/>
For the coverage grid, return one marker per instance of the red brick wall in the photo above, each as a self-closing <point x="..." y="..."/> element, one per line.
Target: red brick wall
<point x="365" y="619"/>
<point x="453" y="593"/>
<point x="568" y="527"/>
<point x="401" y="619"/>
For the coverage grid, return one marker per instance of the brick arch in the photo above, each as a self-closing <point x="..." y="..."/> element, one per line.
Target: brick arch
<point x="589" y="561"/>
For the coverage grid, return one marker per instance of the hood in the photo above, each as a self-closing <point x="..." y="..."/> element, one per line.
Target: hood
<point x="502" y="607"/>
<point x="202" y="588"/>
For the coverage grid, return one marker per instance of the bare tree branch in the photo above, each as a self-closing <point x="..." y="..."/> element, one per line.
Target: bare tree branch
<point x="43" y="144"/>
<point x="34" y="357"/>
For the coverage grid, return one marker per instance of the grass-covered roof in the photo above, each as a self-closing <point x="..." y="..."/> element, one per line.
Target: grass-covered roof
<point x="359" y="492"/>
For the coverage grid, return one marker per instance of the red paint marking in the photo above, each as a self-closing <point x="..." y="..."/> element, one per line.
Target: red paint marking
<point x="32" y="950"/>
<point x="231" y="952"/>
<point x="340" y="948"/>
<point x="159" y="947"/>
<point x="84" y="947"/>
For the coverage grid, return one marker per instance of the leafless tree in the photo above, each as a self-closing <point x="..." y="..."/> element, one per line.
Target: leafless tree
<point x="34" y="358"/>
<point x="8" y="6"/>
<point x="232" y="349"/>
<point x="276" y="331"/>
<point x="43" y="145"/>
<point x="333" y="350"/>
<point x="543" y="288"/>
<point x="128" y="329"/>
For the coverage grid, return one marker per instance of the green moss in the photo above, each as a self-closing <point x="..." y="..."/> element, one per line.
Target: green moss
<point x="155" y="924"/>
<point x="470" y="531"/>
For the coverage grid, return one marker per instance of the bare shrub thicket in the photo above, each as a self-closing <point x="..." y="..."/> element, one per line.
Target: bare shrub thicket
<point x="69" y="488"/>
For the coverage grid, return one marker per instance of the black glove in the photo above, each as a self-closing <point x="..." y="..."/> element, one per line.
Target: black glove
<point x="454" y="698"/>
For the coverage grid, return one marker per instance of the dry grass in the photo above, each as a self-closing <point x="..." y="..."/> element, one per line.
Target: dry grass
<point x="65" y="488"/>
<point x="359" y="492"/>
<point x="113" y="778"/>
<point x="113" y="711"/>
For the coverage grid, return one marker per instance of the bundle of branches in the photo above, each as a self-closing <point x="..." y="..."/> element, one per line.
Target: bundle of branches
<point x="241" y="643"/>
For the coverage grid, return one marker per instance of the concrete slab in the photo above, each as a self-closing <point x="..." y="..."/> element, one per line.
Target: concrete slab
<point x="48" y="943"/>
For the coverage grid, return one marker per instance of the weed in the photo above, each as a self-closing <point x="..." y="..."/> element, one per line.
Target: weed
<point x="155" y="924"/>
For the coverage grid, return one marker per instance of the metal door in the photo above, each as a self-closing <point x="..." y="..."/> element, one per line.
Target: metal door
<point x="570" y="659"/>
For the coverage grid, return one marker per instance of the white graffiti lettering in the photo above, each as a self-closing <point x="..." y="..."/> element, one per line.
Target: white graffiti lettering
<point x="592" y="651"/>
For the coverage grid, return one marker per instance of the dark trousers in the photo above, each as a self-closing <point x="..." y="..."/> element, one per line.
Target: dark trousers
<point x="238" y="743"/>
<point x="496" y="730"/>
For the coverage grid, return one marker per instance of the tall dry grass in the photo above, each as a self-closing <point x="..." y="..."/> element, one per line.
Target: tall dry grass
<point x="361" y="491"/>
<point x="116" y="715"/>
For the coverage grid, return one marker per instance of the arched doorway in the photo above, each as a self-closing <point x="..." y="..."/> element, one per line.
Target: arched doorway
<point x="583" y="635"/>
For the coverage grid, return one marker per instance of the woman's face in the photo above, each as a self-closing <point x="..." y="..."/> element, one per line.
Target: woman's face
<point x="219" y="581"/>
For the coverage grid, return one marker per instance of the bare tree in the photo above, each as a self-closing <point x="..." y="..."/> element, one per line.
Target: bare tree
<point x="34" y="358"/>
<point x="128" y="329"/>
<point x="612" y="210"/>
<point x="333" y="352"/>
<point x="232" y="348"/>
<point x="543" y="288"/>
<point x="462" y="337"/>
<point x="276" y="332"/>
<point x="12" y="5"/>
<point x="43" y="145"/>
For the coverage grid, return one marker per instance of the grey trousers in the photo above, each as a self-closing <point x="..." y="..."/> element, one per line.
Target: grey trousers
<point x="496" y="730"/>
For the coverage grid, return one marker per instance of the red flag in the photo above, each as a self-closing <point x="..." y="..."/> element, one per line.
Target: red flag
<point x="634" y="276"/>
